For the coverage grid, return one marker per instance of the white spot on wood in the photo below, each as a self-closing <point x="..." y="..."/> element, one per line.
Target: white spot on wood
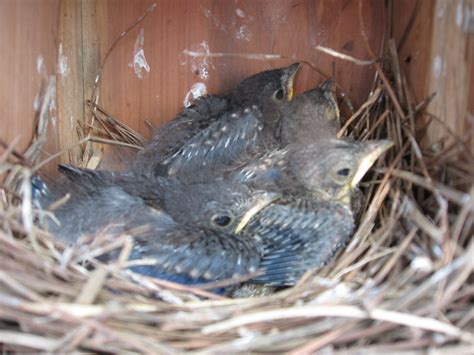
<point x="197" y="90"/>
<point x="139" y="62"/>
<point x="63" y="66"/>
<point x="208" y="13"/>
<point x="40" y="67"/>
<point x="437" y="66"/>
<point x="240" y="13"/>
<point x="459" y="13"/>
<point x="201" y="65"/>
<point x="243" y="33"/>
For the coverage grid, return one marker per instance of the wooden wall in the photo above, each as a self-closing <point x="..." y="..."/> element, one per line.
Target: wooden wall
<point x="28" y="45"/>
<point x="438" y="56"/>
<point x="288" y="28"/>
<point x="79" y="33"/>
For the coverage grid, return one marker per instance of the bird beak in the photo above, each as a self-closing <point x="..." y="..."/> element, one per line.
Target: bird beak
<point x="332" y="112"/>
<point x="291" y="70"/>
<point x="327" y="85"/>
<point x="261" y="200"/>
<point x="372" y="151"/>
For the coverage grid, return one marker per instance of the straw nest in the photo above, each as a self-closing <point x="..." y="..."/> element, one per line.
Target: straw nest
<point x="404" y="282"/>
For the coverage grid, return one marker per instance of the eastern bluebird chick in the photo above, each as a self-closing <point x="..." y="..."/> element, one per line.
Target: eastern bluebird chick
<point x="265" y="93"/>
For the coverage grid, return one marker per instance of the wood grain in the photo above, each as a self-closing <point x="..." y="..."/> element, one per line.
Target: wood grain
<point x="438" y="57"/>
<point x="28" y="43"/>
<point x="70" y="78"/>
<point x="289" y="28"/>
<point x="91" y="37"/>
<point x="414" y="41"/>
<point x="449" y="67"/>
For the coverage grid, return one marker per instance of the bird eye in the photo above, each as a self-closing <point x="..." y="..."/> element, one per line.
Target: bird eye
<point x="344" y="172"/>
<point x="221" y="220"/>
<point x="341" y="174"/>
<point x="279" y="94"/>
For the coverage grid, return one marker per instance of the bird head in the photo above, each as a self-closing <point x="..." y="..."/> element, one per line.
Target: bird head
<point x="326" y="93"/>
<point x="312" y="115"/>
<point x="221" y="206"/>
<point x="286" y="81"/>
<point x="259" y="201"/>
<point x="268" y="88"/>
<point x="232" y="211"/>
<point x="332" y="169"/>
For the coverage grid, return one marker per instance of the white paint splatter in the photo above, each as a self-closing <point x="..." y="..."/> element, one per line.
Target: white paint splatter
<point x="139" y="63"/>
<point x="71" y="121"/>
<point x="243" y="33"/>
<point x="201" y="65"/>
<point x="40" y="67"/>
<point x="459" y="13"/>
<point x="197" y="90"/>
<point x="240" y="13"/>
<point x="63" y="67"/>
<point x="208" y="13"/>
<point x="437" y="66"/>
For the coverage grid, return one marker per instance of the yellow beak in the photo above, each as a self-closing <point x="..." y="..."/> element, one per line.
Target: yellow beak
<point x="289" y="90"/>
<point x="262" y="201"/>
<point x="369" y="155"/>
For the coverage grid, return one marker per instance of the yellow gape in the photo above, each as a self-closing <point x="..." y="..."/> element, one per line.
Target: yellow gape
<point x="289" y="89"/>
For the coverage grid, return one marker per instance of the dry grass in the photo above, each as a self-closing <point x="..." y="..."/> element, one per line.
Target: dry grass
<point x="405" y="282"/>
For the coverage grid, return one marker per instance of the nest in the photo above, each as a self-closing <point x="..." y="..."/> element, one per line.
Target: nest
<point x="403" y="283"/>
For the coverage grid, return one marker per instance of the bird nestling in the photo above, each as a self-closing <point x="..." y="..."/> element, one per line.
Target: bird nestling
<point x="267" y="91"/>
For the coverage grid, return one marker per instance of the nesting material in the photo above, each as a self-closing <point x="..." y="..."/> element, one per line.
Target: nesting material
<point x="404" y="283"/>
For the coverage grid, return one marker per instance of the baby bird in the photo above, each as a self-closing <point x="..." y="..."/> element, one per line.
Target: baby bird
<point x="328" y="170"/>
<point x="301" y="227"/>
<point x="192" y="242"/>
<point x="258" y="99"/>
<point x="312" y="116"/>
<point x="313" y="219"/>
<point x="299" y="234"/>
<point x="219" y="232"/>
